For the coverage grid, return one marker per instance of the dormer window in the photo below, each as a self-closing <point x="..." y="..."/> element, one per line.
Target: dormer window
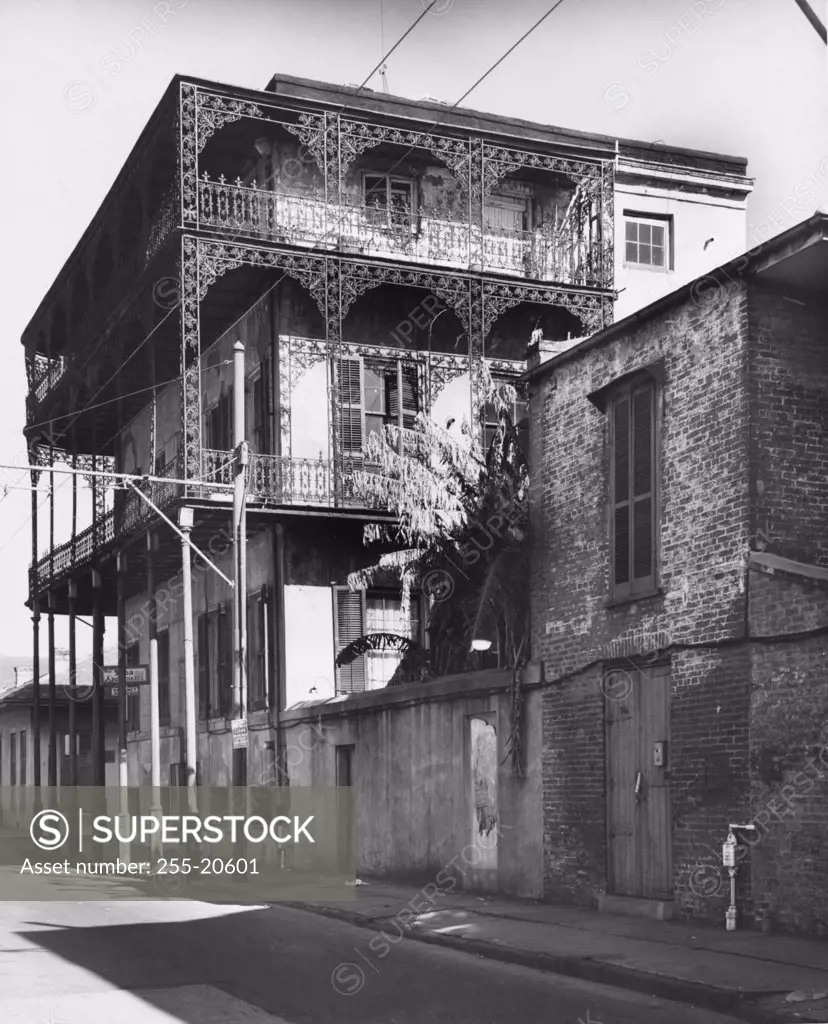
<point x="389" y="201"/>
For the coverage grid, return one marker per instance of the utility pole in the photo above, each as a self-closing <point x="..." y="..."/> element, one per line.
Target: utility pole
<point x="240" y="558"/>
<point x="185" y="522"/>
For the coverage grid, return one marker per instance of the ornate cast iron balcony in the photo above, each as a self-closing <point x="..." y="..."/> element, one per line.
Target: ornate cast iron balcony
<point x="425" y="236"/>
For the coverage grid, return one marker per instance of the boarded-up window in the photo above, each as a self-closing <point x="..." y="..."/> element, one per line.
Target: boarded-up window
<point x="633" y="487"/>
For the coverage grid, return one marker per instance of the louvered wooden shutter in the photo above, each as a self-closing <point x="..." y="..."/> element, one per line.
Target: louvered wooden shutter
<point x="350" y="391"/>
<point x="203" y="668"/>
<point x="406" y="377"/>
<point x="224" y="638"/>
<point x="350" y="626"/>
<point x="642" y="487"/>
<point x="633" y="554"/>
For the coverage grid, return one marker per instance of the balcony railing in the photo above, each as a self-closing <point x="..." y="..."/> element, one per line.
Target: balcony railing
<point x="270" y="478"/>
<point x="427" y="236"/>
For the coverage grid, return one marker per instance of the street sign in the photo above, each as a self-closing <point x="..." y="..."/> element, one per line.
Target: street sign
<point x="135" y="676"/>
<point x="132" y="691"/>
<point x="239" y="729"/>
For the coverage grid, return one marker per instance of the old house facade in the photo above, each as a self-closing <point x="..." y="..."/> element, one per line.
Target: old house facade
<point x="372" y="254"/>
<point x="679" y="518"/>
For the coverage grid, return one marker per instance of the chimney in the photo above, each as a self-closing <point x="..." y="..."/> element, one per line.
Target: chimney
<point x="23" y="675"/>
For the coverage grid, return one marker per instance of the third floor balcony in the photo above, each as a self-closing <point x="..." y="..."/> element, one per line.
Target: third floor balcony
<point x="561" y="245"/>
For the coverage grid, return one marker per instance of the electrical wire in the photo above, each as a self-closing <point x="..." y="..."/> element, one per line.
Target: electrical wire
<point x="408" y="31"/>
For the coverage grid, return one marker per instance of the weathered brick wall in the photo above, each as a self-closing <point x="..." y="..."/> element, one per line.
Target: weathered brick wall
<point x="789" y="752"/>
<point x="704" y="539"/>
<point x="789" y="430"/>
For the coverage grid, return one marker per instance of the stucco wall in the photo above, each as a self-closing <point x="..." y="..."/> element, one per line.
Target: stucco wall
<point x="696" y="218"/>
<point x="412" y="780"/>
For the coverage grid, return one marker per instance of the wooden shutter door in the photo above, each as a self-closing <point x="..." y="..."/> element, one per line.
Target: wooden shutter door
<point x="350" y="392"/>
<point x="350" y="626"/>
<point x="403" y="381"/>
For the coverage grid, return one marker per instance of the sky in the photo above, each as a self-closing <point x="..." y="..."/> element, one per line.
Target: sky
<point x="80" y="78"/>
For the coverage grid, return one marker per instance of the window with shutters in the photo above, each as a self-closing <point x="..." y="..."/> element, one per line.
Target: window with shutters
<point x="633" y="504"/>
<point x="358" y="613"/>
<point x="215" y="662"/>
<point x="13" y="759"/>
<point x="23" y="758"/>
<point x="258" y="650"/>
<point x="376" y="393"/>
<point x="164" y="677"/>
<point x="261" y="406"/>
<point x="219" y="423"/>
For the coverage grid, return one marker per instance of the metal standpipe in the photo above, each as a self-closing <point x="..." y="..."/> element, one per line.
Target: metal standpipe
<point x="729" y="861"/>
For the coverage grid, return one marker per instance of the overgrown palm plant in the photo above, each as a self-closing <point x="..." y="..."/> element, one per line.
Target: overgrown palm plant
<point x="461" y="536"/>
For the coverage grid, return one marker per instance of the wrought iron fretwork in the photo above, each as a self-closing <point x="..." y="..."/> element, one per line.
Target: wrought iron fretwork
<point x="188" y="153"/>
<point x="498" y="162"/>
<point x="315" y="134"/>
<point x="214" y="112"/>
<point x="191" y="295"/>
<point x="355" y="137"/>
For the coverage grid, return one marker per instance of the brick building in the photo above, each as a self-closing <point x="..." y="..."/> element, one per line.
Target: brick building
<point x="680" y="595"/>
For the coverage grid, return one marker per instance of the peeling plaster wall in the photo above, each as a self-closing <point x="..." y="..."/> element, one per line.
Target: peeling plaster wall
<point x="412" y="777"/>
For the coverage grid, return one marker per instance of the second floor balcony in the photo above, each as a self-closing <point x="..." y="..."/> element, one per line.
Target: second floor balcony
<point x="568" y="250"/>
<point x="272" y="480"/>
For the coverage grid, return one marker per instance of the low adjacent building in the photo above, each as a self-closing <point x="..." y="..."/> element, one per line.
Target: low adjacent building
<point x="680" y="595"/>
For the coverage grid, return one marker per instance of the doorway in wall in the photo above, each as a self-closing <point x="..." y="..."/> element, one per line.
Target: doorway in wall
<point x="638" y="786"/>
<point x="483" y="761"/>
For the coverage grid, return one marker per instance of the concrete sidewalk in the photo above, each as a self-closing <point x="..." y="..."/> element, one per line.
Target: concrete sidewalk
<point x="757" y="977"/>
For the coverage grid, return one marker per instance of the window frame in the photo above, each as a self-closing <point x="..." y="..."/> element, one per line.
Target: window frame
<point x="660" y="220"/>
<point x="417" y="598"/>
<point x="648" y="586"/>
<point x="386" y="367"/>
<point x="390" y="225"/>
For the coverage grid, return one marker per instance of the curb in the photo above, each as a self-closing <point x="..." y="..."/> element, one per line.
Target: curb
<point x="708" y="997"/>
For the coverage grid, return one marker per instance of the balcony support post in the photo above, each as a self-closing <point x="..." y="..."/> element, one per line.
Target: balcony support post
<point x="36" y="690"/>
<point x="34" y="587"/>
<point x="122" y="666"/>
<point x="72" y="690"/>
<point x="98" y="728"/>
<point x="52" y="777"/>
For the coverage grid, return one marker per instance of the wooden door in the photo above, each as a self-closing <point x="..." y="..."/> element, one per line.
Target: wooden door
<point x="638" y="790"/>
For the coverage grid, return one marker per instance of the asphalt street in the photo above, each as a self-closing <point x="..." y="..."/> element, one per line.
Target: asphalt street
<point x="199" y="963"/>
